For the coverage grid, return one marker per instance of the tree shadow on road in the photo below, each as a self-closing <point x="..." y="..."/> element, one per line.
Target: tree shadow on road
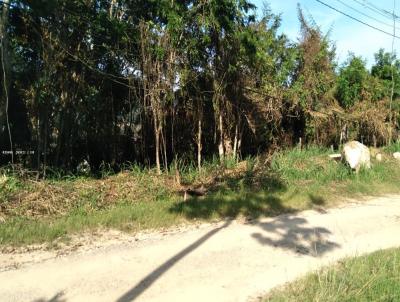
<point x="56" y="298"/>
<point x="293" y="233"/>
<point x="246" y="197"/>
<point x="251" y="197"/>
<point x="147" y="281"/>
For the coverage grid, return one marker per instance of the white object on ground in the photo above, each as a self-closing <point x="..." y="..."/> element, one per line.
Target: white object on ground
<point x="379" y="157"/>
<point x="83" y="167"/>
<point x="357" y="155"/>
<point x="396" y="155"/>
<point x="336" y="156"/>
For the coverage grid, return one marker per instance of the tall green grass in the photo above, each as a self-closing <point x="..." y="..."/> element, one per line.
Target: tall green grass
<point x="310" y="164"/>
<point x="374" y="277"/>
<point x="394" y="147"/>
<point x="311" y="169"/>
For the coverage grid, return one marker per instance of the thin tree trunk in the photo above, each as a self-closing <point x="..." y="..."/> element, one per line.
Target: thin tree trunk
<point x="221" y="136"/>
<point x="392" y="77"/>
<point x="235" y="141"/>
<point x="111" y="10"/>
<point x="63" y="116"/>
<point x="164" y="145"/>
<point x="157" y="142"/>
<point x="59" y="136"/>
<point x="6" y="72"/>
<point x="172" y="132"/>
<point x="45" y="144"/>
<point x="199" y="145"/>
<point x="114" y="134"/>
<point x="239" y="147"/>
<point x="38" y="144"/>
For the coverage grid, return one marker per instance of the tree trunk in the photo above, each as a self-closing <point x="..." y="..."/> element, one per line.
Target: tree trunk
<point x="199" y="145"/>
<point x="228" y="151"/>
<point x="164" y="145"/>
<point x="5" y="62"/>
<point x="221" y="137"/>
<point x="157" y="142"/>
<point x="46" y="122"/>
<point x="236" y="141"/>
<point x="38" y="144"/>
<point x="172" y="132"/>
<point x="113" y="132"/>
<point x="111" y="10"/>
<point x="239" y="145"/>
<point x="6" y="73"/>
<point x="61" y="126"/>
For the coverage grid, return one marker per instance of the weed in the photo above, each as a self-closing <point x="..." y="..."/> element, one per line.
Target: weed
<point x="106" y="170"/>
<point x="394" y="147"/>
<point x="137" y="198"/>
<point x="9" y="184"/>
<point x="373" y="277"/>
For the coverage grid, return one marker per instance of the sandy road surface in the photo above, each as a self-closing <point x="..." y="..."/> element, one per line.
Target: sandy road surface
<point x="227" y="261"/>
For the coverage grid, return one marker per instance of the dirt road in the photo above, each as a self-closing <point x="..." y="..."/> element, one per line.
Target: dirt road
<point x="227" y="261"/>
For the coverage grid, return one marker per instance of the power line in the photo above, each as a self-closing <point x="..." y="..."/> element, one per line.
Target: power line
<point x="375" y="9"/>
<point x="364" y="14"/>
<point x="384" y="11"/>
<point x="358" y="20"/>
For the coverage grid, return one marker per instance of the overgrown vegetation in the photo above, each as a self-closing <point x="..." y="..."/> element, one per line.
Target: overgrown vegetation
<point x="393" y="147"/>
<point x="150" y="82"/>
<point x="373" y="277"/>
<point x="34" y="211"/>
<point x="90" y="87"/>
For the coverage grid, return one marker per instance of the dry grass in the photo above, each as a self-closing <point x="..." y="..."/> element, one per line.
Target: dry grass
<point x="50" y="198"/>
<point x="38" y="211"/>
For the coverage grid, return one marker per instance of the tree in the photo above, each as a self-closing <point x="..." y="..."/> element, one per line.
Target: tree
<point x="352" y="81"/>
<point x="387" y="69"/>
<point x="382" y="69"/>
<point x="112" y="81"/>
<point x="314" y="79"/>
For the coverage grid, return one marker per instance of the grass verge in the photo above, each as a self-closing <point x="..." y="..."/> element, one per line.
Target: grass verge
<point x="374" y="277"/>
<point x="138" y="199"/>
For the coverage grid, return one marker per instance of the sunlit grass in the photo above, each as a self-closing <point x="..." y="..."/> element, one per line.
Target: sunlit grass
<point x="374" y="277"/>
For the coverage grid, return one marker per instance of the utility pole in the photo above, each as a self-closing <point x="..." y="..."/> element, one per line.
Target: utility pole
<point x="392" y="69"/>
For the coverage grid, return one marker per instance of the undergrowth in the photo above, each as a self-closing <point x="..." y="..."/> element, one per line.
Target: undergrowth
<point x="40" y="211"/>
<point x="394" y="147"/>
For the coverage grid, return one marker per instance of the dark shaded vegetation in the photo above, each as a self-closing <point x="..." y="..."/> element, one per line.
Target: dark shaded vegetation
<point x="254" y="194"/>
<point x="152" y="82"/>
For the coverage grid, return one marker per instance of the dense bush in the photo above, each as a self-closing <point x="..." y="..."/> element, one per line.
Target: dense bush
<point x="152" y="81"/>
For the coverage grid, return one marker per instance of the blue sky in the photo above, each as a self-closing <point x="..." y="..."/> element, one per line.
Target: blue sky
<point x="348" y="35"/>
